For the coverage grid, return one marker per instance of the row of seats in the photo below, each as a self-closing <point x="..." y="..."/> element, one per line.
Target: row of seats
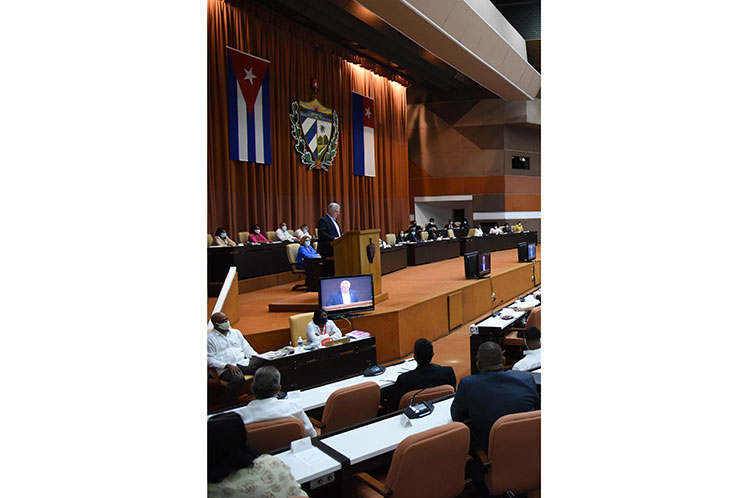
<point x="512" y="462"/>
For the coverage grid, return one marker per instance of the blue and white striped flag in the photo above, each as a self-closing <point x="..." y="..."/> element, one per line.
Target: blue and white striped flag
<point x="248" y="80"/>
<point x="363" y="136"/>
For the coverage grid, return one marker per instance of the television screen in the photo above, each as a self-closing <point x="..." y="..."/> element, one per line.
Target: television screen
<point x="530" y="252"/>
<point x="484" y="264"/>
<point x="522" y="252"/>
<point x="346" y="294"/>
<point x="471" y="264"/>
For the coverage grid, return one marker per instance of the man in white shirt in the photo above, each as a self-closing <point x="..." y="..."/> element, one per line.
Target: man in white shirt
<point x="284" y="235"/>
<point x="231" y="355"/>
<point x="265" y="385"/>
<point x="531" y="361"/>
<point x="301" y="231"/>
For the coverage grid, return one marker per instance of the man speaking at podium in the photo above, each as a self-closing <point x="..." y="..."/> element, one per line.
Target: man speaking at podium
<point x="344" y="296"/>
<point x="328" y="230"/>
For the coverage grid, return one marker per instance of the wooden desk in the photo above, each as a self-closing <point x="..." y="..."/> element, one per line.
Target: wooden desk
<point x="250" y="261"/>
<point x="421" y="253"/>
<point x="492" y="243"/>
<point x="393" y="258"/>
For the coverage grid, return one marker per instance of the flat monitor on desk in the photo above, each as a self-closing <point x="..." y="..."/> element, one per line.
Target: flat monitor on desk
<point x="484" y="264"/>
<point x="526" y="251"/>
<point x="471" y="264"/>
<point x="344" y="295"/>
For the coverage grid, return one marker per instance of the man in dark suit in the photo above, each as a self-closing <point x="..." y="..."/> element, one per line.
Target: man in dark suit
<point x="426" y="374"/>
<point x="344" y="296"/>
<point x="489" y="395"/>
<point x="328" y="230"/>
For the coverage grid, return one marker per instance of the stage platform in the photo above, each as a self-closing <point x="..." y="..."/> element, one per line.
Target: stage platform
<point x="424" y="301"/>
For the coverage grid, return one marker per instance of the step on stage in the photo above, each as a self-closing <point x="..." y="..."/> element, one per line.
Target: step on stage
<point x="424" y="301"/>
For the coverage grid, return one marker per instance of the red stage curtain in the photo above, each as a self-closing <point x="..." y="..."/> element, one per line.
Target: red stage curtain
<point x="239" y="193"/>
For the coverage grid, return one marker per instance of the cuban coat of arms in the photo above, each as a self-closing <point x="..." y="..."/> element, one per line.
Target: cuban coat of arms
<point x="315" y="129"/>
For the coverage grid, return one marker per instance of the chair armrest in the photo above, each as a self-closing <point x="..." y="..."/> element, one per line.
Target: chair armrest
<point x="482" y="457"/>
<point x="377" y="486"/>
<point x="317" y="423"/>
<point x="213" y="374"/>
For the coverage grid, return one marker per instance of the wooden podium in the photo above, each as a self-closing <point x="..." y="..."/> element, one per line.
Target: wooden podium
<point x="351" y="257"/>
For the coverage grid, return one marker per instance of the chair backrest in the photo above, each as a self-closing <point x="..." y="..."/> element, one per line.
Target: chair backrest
<point x="391" y="239"/>
<point x="271" y="236"/>
<point x="471" y="232"/>
<point x="424" y="235"/>
<point x="273" y="434"/>
<point x="243" y="237"/>
<point x="451" y="233"/>
<point x="292" y="250"/>
<point x="458" y="223"/>
<point x="316" y="233"/>
<point x="430" y="463"/>
<point x="297" y="324"/>
<point x="210" y="240"/>
<point x="350" y="405"/>
<point x="425" y="395"/>
<point x="314" y="244"/>
<point x="514" y="452"/>
<point x="533" y="319"/>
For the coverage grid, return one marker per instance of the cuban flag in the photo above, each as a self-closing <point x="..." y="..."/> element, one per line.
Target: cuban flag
<point x="248" y="80"/>
<point x="363" y="136"/>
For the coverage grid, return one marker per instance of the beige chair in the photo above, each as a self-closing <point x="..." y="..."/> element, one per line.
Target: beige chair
<point x="274" y="434"/>
<point x="243" y="237"/>
<point x="314" y="244"/>
<point x="292" y="250"/>
<point x="316" y="233"/>
<point x="210" y="240"/>
<point x="348" y="406"/>
<point x="512" y="337"/>
<point x="391" y="239"/>
<point x="513" y="459"/>
<point x="471" y="232"/>
<point x="451" y="233"/>
<point x="430" y="464"/>
<point x="297" y="325"/>
<point x="271" y="235"/>
<point x="458" y="223"/>
<point x="425" y="395"/>
<point x="424" y="235"/>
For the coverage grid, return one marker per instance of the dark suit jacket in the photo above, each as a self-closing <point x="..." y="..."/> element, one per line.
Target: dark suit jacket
<point x="413" y="236"/>
<point x="488" y="396"/>
<point x="337" y="298"/>
<point x="327" y="233"/>
<point x="430" y="375"/>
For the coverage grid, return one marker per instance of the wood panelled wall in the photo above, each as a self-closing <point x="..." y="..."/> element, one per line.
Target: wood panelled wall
<point x="239" y="193"/>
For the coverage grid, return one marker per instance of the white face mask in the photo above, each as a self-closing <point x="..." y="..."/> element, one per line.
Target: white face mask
<point x="224" y="326"/>
<point x="257" y="231"/>
<point x="283" y="228"/>
<point x="223" y="235"/>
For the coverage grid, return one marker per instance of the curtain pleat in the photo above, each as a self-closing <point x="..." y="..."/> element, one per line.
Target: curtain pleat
<point x="241" y="193"/>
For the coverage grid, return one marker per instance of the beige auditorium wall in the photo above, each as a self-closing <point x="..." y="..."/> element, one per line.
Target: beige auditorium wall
<point x="464" y="147"/>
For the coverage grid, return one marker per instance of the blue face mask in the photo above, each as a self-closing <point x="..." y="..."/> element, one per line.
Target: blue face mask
<point x="223" y="235"/>
<point x="307" y="243"/>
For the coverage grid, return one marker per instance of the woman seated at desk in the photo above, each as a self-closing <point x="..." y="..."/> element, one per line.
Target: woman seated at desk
<point x="321" y="328"/>
<point x="222" y="239"/>
<point x="255" y="235"/>
<point x="235" y="469"/>
<point x="306" y="251"/>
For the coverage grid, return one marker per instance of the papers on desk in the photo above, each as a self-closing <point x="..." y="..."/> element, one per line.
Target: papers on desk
<point x="271" y="355"/>
<point x="358" y="334"/>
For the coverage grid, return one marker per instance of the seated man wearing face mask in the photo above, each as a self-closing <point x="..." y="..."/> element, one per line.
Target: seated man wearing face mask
<point x="283" y="234"/>
<point x="231" y="355"/>
<point x="306" y="251"/>
<point x="321" y="328"/>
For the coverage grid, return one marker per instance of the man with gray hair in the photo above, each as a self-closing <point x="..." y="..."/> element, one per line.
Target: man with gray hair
<point x="328" y="230"/>
<point x="266" y="406"/>
<point x="489" y="395"/>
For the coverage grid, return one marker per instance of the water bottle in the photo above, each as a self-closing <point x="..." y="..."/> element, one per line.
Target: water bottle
<point x="300" y="342"/>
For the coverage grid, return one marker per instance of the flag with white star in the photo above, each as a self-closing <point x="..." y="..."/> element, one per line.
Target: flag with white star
<point x="363" y="135"/>
<point x="248" y="97"/>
